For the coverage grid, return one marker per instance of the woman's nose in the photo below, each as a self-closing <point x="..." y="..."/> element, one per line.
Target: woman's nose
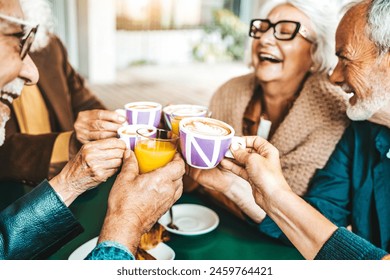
<point x="267" y="37"/>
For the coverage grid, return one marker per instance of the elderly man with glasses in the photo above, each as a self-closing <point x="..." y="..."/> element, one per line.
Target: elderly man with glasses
<point x="40" y="221"/>
<point x="55" y="116"/>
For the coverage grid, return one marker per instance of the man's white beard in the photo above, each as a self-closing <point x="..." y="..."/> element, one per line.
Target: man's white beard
<point x="15" y="86"/>
<point x="3" y="119"/>
<point x="379" y="97"/>
<point x="365" y="109"/>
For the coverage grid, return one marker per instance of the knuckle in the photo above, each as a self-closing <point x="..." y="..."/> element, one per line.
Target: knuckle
<point x="97" y="125"/>
<point x="99" y="114"/>
<point x="100" y="175"/>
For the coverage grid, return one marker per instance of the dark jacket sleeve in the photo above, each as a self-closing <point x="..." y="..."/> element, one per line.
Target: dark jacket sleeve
<point x="26" y="158"/>
<point x="345" y="245"/>
<point x="329" y="189"/>
<point x="36" y="225"/>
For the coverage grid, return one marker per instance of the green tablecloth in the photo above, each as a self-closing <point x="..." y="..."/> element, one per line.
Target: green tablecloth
<point x="232" y="239"/>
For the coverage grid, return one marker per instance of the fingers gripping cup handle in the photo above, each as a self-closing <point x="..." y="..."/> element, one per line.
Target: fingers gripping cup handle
<point x="236" y="140"/>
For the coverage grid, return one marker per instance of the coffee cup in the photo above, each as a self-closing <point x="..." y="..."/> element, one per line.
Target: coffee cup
<point x="128" y="133"/>
<point x="183" y="110"/>
<point x="154" y="150"/>
<point x="144" y="112"/>
<point x="204" y="142"/>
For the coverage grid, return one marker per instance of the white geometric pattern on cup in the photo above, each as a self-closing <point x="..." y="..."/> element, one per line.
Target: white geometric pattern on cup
<point x="216" y="150"/>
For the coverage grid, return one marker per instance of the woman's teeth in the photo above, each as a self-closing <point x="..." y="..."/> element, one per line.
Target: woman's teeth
<point x="268" y="57"/>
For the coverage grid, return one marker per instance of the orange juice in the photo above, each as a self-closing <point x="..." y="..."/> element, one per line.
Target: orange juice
<point x="152" y="154"/>
<point x="175" y="124"/>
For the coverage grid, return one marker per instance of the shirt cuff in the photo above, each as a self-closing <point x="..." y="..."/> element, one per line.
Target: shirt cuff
<point x="60" y="151"/>
<point x="345" y="245"/>
<point x="110" y="250"/>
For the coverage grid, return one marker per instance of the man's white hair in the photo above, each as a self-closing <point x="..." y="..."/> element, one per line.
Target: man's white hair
<point x="39" y="12"/>
<point x="379" y="24"/>
<point x="324" y="16"/>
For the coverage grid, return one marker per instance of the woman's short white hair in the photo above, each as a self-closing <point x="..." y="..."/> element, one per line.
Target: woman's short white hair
<point x="324" y="16"/>
<point x="379" y="24"/>
<point x="39" y="12"/>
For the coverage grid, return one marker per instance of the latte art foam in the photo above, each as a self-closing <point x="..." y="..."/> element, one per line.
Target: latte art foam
<point x="141" y="107"/>
<point x="188" y="112"/>
<point x="207" y="128"/>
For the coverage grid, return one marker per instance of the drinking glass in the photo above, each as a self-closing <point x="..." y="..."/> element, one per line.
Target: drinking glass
<point x="155" y="150"/>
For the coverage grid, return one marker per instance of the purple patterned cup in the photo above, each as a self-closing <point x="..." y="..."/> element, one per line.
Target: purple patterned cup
<point x="128" y="133"/>
<point x="183" y="110"/>
<point x="148" y="113"/>
<point x="204" y="142"/>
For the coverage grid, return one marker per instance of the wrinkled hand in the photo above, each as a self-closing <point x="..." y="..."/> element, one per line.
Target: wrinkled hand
<point x="232" y="186"/>
<point x="258" y="164"/>
<point x="217" y="179"/>
<point x="94" y="163"/>
<point x="97" y="124"/>
<point x="136" y="201"/>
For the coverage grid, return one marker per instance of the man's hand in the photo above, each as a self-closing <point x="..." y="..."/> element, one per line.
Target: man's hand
<point x="94" y="163"/>
<point x="97" y="124"/>
<point x="136" y="201"/>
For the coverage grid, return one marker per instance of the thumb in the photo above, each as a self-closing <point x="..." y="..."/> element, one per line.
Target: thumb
<point x="130" y="163"/>
<point x="240" y="155"/>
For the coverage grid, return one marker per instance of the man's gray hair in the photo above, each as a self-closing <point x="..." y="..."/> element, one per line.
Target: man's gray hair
<point x="39" y="12"/>
<point x="324" y="16"/>
<point x="379" y="24"/>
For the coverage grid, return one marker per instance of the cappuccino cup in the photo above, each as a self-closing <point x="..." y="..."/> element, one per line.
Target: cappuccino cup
<point x="147" y="113"/>
<point x="204" y="142"/>
<point x="128" y="133"/>
<point x="183" y="110"/>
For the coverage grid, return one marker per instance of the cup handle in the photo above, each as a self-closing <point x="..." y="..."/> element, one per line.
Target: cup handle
<point x="237" y="140"/>
<point x="122" y="112"/>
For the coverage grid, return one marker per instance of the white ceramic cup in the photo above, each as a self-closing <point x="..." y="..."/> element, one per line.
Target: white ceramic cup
<point x="128" y="133"/>
<point x="143" y="112"/>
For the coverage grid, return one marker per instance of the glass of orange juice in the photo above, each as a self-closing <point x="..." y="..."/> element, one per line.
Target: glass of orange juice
<point x="155" y="150"/>
<point x="177" y="116"/>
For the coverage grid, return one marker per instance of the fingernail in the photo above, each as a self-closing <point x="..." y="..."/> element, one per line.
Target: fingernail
<point x="235" y="146"/>
<point x="121" y="118"/>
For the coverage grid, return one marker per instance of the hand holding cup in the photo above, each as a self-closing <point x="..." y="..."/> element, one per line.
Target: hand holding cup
<point x="94" y="125"/>
<point x="204" y="142"/>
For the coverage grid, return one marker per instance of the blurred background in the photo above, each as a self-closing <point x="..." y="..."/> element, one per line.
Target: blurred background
<point x="169" y="51"/>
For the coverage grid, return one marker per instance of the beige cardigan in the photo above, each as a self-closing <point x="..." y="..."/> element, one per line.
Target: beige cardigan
<point x="306" y="137"/>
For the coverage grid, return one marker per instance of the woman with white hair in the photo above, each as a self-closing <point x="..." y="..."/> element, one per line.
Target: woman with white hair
<point x="288" y="98"/>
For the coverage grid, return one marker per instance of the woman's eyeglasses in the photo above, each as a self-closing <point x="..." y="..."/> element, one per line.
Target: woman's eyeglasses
<point x="284" y="30"/>
<point x="26" y="35"/>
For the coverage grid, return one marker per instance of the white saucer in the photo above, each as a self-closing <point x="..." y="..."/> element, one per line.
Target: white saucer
<point x="161" y="252"/>
<point x="191" y="219"/>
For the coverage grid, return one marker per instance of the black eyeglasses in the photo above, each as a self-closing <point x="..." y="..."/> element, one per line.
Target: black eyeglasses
<point x="284" y="30"/>
<point x="26" y="36"/>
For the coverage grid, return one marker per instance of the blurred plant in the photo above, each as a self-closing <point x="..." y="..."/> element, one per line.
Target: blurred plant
<point x="224" y="39"/>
